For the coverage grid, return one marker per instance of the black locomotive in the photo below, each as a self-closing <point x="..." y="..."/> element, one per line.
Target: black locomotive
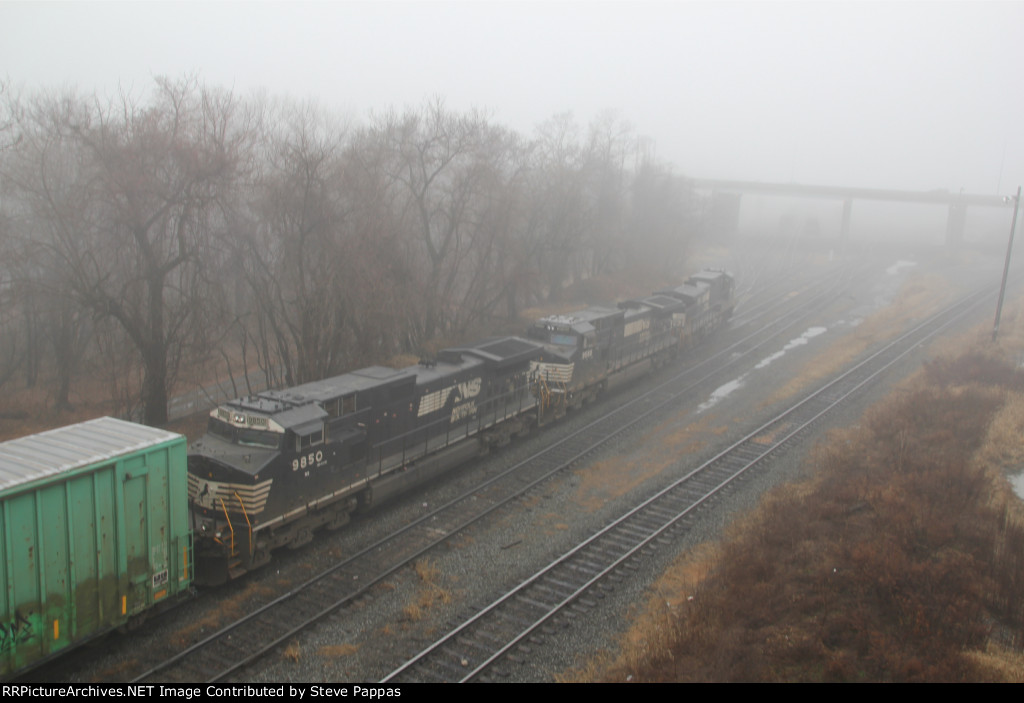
<point x="274" y="467"/>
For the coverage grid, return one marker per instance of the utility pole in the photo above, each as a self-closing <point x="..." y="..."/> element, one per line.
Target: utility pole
<point x="1006" y="267"/>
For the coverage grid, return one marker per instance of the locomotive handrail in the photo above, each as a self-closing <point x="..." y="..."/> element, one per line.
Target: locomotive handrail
<point x="231" y="528"/>
<point x="248" y="522"/>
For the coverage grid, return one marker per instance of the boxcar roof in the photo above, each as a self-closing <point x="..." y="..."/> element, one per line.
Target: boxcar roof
<point x="65" y="448"/>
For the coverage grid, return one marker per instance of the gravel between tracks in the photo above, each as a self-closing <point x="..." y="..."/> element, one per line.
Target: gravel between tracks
<point x="366" y="641"/>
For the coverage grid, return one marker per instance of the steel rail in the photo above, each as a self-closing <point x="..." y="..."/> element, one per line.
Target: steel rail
<point x="443" y="649"/>
<point x="730" y="355"/>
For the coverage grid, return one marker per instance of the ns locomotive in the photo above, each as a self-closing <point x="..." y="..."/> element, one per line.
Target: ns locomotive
<point x="105" y="521"/>
<point x="276" y="466"/>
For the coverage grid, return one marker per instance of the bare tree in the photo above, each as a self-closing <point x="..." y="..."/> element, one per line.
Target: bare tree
<point x="662" y="216"/>
<point x="609" y="144"/>
<point x="439" y="161"/>
<point x="129" y="194"/>
<point x="558" y="197"/>
<point x="13" y="350"/>
<point x="293" y="254"/>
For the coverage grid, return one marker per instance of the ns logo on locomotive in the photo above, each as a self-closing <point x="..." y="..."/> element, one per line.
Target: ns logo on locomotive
<point x="276" y="466"/>
<point x="123" y="535"/>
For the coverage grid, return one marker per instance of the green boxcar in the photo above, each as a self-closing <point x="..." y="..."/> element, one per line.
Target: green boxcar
<point x="93" y="534"/>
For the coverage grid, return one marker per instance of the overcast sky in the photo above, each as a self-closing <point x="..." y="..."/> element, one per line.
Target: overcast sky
<point x="916" y="95"/>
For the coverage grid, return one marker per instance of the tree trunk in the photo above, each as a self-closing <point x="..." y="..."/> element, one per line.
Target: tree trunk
<point x="154" y="357"/>
<point x="154" y="386"/>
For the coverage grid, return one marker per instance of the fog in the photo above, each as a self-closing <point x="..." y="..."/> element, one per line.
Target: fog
<point x="916" y="96"/>
<point x="809" y="220"/>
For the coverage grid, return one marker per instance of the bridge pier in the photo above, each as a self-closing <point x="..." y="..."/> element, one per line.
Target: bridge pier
<point x="725" y="202"/>
<point x="955" y="223"/>
<point x="844" y="229"/>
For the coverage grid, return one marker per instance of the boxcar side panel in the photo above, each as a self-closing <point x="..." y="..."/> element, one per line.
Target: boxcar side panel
<point x="86" y="550"/>
<point x="19" y="630"/>
<point x="57" y="566"/>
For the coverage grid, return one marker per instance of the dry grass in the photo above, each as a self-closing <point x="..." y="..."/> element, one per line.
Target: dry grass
<point x="427" y="571"/>
<point x="998" y="663"/>
<point x="899" y="561"/>
<point x="611" y="478"/>
<point x="412" y="612"/>
<point x="336" y="651"/>
<point x="655" y="625"/>
<point x="227" y="610"/>
<point x="430" y="592"/>
<point x="1003" y="447"/>
<point x="291" y="652"/>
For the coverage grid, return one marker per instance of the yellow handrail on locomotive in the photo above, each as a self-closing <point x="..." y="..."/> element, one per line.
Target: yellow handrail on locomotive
<point x="245" y="513"/>
<point x="231" y="528"/>
<point x="545" y="392"/>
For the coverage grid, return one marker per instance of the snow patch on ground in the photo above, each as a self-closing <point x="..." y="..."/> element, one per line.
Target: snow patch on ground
<point x="1017" y="481"/>
<point x="721" y="392"/>
<point x="724" y="390"/>
<point x="900" y="265"/>
<point x="810" y="334"/>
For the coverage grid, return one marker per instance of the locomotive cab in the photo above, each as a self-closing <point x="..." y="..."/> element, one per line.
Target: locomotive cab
<point x="269" y="459"/>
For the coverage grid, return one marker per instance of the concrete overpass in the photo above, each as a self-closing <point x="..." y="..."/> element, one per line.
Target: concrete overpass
<point x="956" y="202"/>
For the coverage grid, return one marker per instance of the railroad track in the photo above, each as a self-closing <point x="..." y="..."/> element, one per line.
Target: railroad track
<point x="476" y="649"/>
<point x="238" y="645"/>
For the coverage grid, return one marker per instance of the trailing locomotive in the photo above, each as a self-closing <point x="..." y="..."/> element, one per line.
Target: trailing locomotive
<point x="276" y="466"/>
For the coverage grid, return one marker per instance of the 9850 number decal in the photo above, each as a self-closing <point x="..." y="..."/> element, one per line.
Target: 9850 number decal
<point x="308" y="460"/>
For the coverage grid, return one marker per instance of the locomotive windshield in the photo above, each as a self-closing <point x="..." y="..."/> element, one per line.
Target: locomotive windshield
<point x="244" y="436"/>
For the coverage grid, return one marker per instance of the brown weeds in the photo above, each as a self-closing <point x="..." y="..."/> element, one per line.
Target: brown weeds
<point x="336" y="651"/>
<point x="430" y="593"/>
<point x="902" y="560"/>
